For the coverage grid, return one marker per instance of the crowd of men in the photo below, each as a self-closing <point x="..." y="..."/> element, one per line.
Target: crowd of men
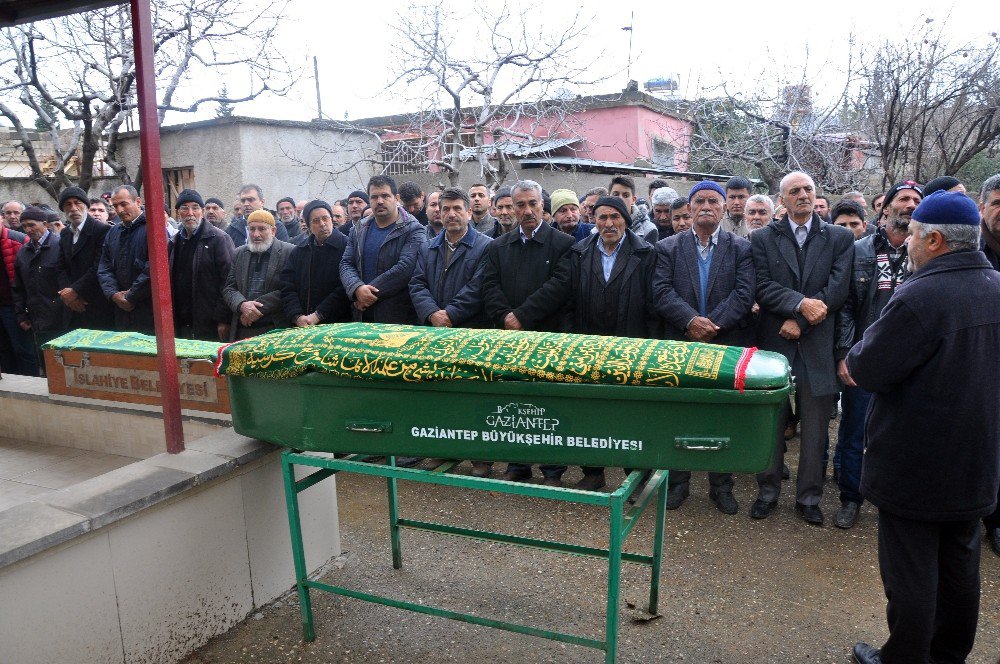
<point x="720" y="265"/>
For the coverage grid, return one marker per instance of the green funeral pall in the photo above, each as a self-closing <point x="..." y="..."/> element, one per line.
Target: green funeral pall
<point x="416" y="354"/>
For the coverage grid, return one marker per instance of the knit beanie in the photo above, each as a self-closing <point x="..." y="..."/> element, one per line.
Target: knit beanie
<point x="896" y="188"/>
<point x="261" y="217"/>
<point x="616" y="203"/>
<point x="317" y="204"/>
<point x="561" y="197"/>
<point x="709" y="186"/>
<point x="357" y="193"/>
<point x="73" y="192"/>
<point x="33" y="213"/>
<point x="188" y="196"/>
<point x="943" y="183"/>
<point x="209" y="201"/>
<point x="947" y="207"/>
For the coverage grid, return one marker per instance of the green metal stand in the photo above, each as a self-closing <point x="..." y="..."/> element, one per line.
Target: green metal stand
<point x="625" y="514"/>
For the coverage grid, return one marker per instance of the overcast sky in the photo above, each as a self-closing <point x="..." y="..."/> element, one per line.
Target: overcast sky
<point x="741" y="40"/>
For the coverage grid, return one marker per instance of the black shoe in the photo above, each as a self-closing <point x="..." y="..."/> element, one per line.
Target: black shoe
<point x="408" y="462"/>
<point x="866" y="654"/>
<point x="725" y="501"/>
<point x="785" y="473"/>
<point x="993" y="537"/>
<point x="811" y="514"/>
<point x="591" y="482"/>
<point x="517" y="475"/>
<point x="847" y="515"/>
<point x="762" y="509"/>
<point x="676" y="496"/>
<point x="552" y="481"/>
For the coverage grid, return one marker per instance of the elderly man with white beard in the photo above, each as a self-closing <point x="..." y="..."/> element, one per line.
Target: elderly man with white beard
<point x="253" y="289"/>
<point x="200" y="256"/>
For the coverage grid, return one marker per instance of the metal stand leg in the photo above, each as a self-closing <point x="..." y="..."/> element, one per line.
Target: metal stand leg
<point x="661" y="515"/>
<point x="298" y="551"/>
<point x="397" y="550"/>
<point x="614" y="580"/>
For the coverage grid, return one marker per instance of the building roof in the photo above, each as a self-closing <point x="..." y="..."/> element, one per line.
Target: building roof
<point x="319" y="125"/>
<point x="14" y="12"/>
<point x="613" y="167"/>
<point x="630" y="96"/>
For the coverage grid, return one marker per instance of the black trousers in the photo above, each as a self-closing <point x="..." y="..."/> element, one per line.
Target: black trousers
<point x="930" y="571"/>
<point x="993" y="520"/>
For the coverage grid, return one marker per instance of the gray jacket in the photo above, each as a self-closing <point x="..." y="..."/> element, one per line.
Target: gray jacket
<point x="238" y="283"/>
<point x="642" y="226"/>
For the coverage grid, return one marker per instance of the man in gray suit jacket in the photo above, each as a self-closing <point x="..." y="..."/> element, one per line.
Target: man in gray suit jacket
<point x="253" y="289"/>
<point x="704" y="289"/>
<point x="803" y="267"/>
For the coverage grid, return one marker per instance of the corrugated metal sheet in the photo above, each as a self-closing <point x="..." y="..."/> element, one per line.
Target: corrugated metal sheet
<point x="513" y="149"/>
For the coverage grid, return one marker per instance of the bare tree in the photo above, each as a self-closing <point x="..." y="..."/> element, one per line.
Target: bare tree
<point x="771" y="131"/>
<point x="80" y="68"/>
<point x="486" y="82"/>
<point x="931" y="106"/>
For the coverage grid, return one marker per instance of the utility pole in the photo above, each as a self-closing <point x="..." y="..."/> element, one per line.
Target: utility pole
<point x="319" y="100"/>
<point x="628" y="29"/>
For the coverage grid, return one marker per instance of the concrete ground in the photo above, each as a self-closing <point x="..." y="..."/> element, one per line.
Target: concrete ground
<point x="733" y="590"/>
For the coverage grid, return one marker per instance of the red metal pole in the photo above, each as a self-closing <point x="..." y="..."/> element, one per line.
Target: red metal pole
<point x="156" y="225"/>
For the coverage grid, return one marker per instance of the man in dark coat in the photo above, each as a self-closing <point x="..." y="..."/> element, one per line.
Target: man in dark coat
<point x="446" y="284"/>
<point x="989" y="208"/>
<point x="123" y="271"/>
<point x="200" y="257"/>
<point x="311" y="290"/>
<point x="803" y="267"/>
<point x="380" y="256"/>
<point x="36" y="282"/>
<point x="880" y="266"/>
<point x="932" y="465"/>
<point x="253" y="289"/>
<point x="521" y="289"/>
<point x="704" y="291"/>
<point x="610" y="293"/>
<point x="80" y="245"/>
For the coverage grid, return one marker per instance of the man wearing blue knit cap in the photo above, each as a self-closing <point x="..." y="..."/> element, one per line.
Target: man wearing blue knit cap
<point x="932" y="466"/>
<point x="703" y="289"/>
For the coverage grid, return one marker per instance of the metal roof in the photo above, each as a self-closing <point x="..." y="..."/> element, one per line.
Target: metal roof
<point x="14" y="12"/>
<point x="515" y="149"/>
<point x="612" y="167"/>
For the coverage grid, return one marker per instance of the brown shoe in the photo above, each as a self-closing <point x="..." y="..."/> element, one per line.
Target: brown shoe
<point x="481" y="469"/>
<point x="552" y="481"/>
<point x="591" y="482"/>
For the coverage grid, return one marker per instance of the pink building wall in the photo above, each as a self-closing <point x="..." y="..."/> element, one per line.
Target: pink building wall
<point x="620" y="134"/>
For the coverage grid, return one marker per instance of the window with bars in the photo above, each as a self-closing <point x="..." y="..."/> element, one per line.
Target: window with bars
<point x="176" y="180"/>
<point x="404" y="156"/>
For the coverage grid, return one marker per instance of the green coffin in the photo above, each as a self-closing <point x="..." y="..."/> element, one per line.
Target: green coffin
<point x="528" y="420"/>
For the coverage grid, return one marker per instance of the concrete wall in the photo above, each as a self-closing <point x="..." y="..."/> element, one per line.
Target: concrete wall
<point x="131" y="430"/>
<point x="22" y="189"/>
<point x="276" y="157"/>
<point x="151" y="588"/>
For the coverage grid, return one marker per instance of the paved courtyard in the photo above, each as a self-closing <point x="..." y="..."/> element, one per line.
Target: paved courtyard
<point x="733" y="590"/>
